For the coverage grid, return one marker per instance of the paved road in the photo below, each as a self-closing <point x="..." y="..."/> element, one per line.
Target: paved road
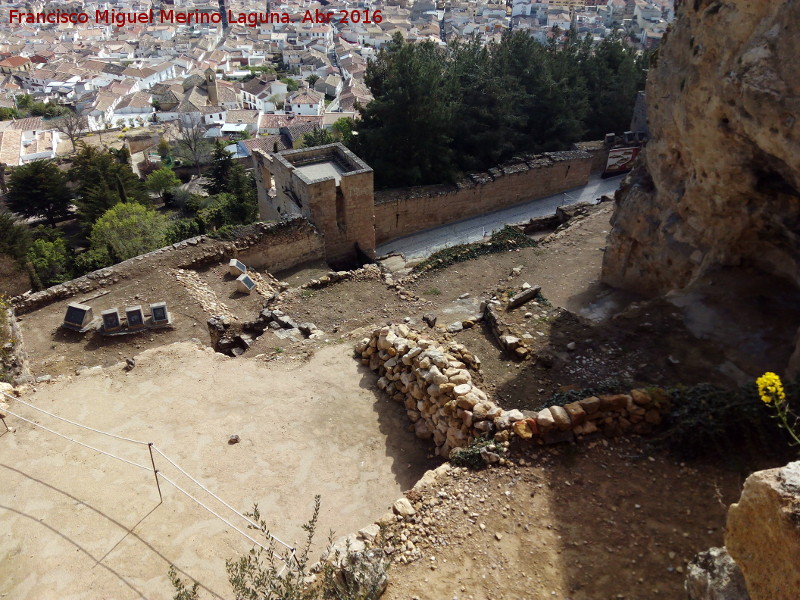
<point x="424" y="243"/>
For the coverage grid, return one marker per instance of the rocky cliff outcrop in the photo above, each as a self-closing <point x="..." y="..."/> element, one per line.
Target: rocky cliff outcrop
<point x="718" y="184"/>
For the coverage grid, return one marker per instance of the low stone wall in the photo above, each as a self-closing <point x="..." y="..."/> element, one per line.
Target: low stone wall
<point x="401" y="212"/>
<point x="282" y="245"/>
<point x="438" y="386"/>
<point x="275" y="246"/>
<point x="17" y="359"/>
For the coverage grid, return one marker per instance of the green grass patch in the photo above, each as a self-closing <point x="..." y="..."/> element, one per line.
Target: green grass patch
<point x="508" y="238"/>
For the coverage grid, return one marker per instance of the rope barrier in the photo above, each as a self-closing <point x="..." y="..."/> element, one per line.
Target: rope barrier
<point x="286" y="561"/>
<point x="61" y="435"/>
<point x="213" y="495"/>
<point x="223" y="519"/>
<point x="119" y="437"/>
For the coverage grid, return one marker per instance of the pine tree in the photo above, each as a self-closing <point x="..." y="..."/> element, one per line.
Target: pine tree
<point x="39" y="189"/>
<point x="219" y="172"/>
<point x="102" y="182"/>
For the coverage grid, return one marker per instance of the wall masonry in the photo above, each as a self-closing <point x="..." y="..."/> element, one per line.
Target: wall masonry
<point x="401" y="212"/>
<point x="272" y="246"/>
<point x="438" y="385"/>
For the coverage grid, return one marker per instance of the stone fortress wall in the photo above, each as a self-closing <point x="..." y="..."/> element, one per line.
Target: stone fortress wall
<point x="348" y="211"/>
<point x="404" y="211"/>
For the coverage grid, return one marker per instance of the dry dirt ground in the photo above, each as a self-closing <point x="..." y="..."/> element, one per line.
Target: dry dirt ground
<point x="599" y="521"/>
<point x="586" y="521"/>
<point x="75" y="524"/>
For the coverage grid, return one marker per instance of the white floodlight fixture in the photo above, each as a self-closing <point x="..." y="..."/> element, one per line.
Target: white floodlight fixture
<point x="236" y="267"/>
<point x="111" y="320"/>
<point x="135" y="317"/>
<point x="159" y="315"/>
<point x="78" y="316"/>
<point x="244" y="284"/>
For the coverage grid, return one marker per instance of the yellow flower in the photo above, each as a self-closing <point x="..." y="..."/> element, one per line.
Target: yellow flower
<point x="770" y="388"/>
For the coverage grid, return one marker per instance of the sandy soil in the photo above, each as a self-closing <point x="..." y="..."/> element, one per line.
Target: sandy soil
<point x="75" y="524"/>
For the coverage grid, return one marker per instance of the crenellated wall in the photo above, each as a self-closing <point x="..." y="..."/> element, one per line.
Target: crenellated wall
<point x="403" y="211"/>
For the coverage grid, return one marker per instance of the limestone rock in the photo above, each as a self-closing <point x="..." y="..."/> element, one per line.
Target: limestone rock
<point x="524" y="429"/>
<point x="545" y="420"/>
<point x="763" y="535"/>
<point x="560" y="418"/>
<point x="370" y="532"/>
<point x="402" y="507"/>
<point x="719" y="180"/>
<point x="524" y="296"/>
<point x="713" y="575"/>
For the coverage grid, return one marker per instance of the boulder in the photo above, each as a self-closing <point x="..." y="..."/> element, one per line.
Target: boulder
<point x="713" y="575"/>
<point x="763" y="533"/>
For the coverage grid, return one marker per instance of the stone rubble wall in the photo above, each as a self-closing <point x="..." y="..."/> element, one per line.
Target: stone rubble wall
<point x="438" y="386"/>
<point x="276" y="246"/>
<point x="18" y="360"/>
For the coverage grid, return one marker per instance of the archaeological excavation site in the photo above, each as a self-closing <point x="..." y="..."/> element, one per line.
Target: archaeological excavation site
<point x="599" y="403"/>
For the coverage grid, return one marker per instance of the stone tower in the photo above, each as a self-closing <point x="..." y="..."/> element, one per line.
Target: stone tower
<point x="332" y="188"/>
<point x="211" y="86"/>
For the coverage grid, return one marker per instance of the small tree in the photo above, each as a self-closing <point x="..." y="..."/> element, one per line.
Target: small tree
<point x="219" y="174"/>
<point x="192" y="143"/>
<point x="128" y="229"/>
<point x="343" y="129"/>
<point x="72" y="125"/>
<point x="162" y="180"/>
<point x="163" y="148"/>
<point x="312" y="79"/>
<point x="318" y="137"/>
<point x="49" y="260"/>
<point x="103" y="181"/>
<point x="39" y="189"/>
<point x="15" y="237"/>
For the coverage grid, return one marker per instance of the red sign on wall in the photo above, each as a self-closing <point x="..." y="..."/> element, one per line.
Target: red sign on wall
<point x="620" y="160"/>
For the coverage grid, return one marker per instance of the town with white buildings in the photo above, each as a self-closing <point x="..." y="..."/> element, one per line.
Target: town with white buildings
<point x="269" y="80"/>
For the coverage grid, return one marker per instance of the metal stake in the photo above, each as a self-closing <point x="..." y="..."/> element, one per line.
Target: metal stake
<point x="155" y="472"/>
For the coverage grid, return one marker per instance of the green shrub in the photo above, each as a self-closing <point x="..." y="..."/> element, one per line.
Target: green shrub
<point x="508" y="238"/>
<point x="710" y="421"/>
<point x="181" y="229"/>
<point x="471" y="456"/>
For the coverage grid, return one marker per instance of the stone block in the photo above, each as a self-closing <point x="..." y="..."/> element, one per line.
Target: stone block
<point x="576" y="413"/>
<point x="561" y="418"/>
<point x="615" y="402"/>
<point x="641" y="397"/>
<point x="545" y="421"/>
<point x="590" y="405"/>
<point x="524" y="296"/>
